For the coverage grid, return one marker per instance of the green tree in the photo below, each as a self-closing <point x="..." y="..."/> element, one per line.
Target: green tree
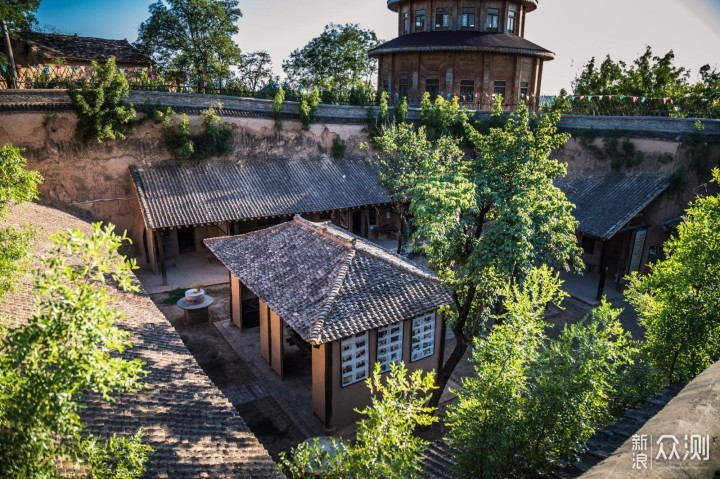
<point x="485" y="221"/>
<point x="193" y="36"/>
<point x="535" y="399"/>
<point x="67" y="350"/>
<point x="255" y="70"/>
<point x="309" y="103"/>
<point x="17" y="185"/>
<point x="19" y="14"/>
<point x="336" y="61"/>
<point x="386" y="446"/>
<point x="678" y="303"/>
<point x="100" y="104"/>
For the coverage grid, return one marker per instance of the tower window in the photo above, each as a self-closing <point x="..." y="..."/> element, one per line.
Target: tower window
<point x="493" y="19"/>
<point x="467" y="90"/>
<point x="511" y="21"/>
<point x="499" y="88"/>
<point x="524" y="90"/>
<point x="406" y="22"/>
<point x="467" y="18"/>
<point x="404" y="87"/>
<point x="420" y="20"/>
<point x="442" y="19"/>
<point x="432" y="86"/>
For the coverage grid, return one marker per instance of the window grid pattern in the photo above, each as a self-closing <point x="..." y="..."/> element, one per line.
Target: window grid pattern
<point x="423" y="337"/>
<point x="511" y="21"/>
<point x="493" y="19"/>
<point x="406" y="22"/>
<point x="442" y="19"/>
<point x="467" y="18"/>
<point x="499" y="88"/>
<point x="389" y="345"/>
<point x="354" y="362"/>
<point x="420" y="20"/>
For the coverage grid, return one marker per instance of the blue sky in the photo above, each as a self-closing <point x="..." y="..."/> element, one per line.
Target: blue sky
<point x="575" y="30"/>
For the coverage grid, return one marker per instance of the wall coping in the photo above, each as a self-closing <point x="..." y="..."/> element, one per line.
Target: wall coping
<point x="663" y="128"/>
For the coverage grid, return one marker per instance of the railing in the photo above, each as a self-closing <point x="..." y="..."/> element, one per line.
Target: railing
<point x="64" y="76"/>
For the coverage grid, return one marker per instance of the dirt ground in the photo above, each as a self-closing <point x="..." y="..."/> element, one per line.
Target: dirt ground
<point x="232" y="376"/>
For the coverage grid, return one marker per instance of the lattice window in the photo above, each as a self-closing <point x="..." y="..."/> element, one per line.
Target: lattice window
<point x="423" y="337"/>
<point x="354" y="354"/>
<point x="389" y="345"/>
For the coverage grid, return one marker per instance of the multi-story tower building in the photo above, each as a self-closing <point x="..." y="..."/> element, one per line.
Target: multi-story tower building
<point x="471" y="48"/>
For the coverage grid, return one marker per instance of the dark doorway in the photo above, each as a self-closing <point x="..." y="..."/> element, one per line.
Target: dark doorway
<point x="357" y="223"/>
<point x="186" y="240"/>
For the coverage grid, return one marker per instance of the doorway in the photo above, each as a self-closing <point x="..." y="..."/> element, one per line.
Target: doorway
<point x="186" y="240"/>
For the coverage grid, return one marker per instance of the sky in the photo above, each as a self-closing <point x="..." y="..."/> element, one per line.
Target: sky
<point x="575" y="30"/>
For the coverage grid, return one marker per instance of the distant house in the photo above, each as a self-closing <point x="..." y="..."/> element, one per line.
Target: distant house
<point x="347" y="302"/>
<point x="32" y="48"/>
<point x="183" y="203"/>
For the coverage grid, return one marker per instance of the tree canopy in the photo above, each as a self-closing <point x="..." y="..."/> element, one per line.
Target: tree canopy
<point x="255" y="70"/>
<point x="653" y="78"/>
<point x="386" y="446"/>
<point x="19" y="14"/>
<point x="535" y="399"/>
<point x="484" y="219"/>
<point x="678" y="302"/>
<point x="336" y="61"/>
<point x="193" y="37"/>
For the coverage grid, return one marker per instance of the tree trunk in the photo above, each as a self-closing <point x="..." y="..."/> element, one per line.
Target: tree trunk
<point x="402" y="233"/>
<point x="461" y="345"/>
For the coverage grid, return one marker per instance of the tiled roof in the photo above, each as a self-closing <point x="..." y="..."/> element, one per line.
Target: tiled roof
<point x="193" y="428"/>
<point x="457" y="41"/>
<point x="326" y="283"/>
<point x="184" y="194"/>
<point x="438" y="462"/>
<point x="605" y="203"/>
<point x="75" y="48"/>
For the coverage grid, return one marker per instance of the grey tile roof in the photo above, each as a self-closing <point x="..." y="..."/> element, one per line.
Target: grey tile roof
<point x="456" y="41"/>
<point x="193" y="428"/>
<point x="85" y="49"/>
<point x="326" y="283"/>
<point x="605" y="203"/>
<point x="184" y="194"/>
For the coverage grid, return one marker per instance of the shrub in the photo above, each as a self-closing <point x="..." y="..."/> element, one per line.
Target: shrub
<point x="308" y="107"/>
<point x="100" y="104"/>
<point x="278" y="107"/>
<point x="339" y="147"/>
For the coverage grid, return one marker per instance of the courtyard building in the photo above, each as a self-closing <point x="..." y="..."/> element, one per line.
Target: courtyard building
<point x="473" y="49"/>
<point x="345" y="301"/>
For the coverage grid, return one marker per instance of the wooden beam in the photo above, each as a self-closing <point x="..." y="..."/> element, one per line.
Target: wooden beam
<point x="163" y="266"/>
<point x="603" y="272"/>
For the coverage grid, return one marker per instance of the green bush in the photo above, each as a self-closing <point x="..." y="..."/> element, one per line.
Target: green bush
<point x="308" y="107"/>
<point x="339" y="147"/>
<point x="100" y="104"/>
<point x="278" y="107"/>
<point x="214" y="140"/>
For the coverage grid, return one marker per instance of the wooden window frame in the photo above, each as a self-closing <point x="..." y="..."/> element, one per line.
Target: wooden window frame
<point x="493" y="13"/>
<point x="390" y="345"/>
<point x="354" y="359"/>
<point x="423" y="335"/>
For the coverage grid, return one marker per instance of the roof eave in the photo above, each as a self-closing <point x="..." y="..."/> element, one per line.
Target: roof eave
<point x="545" y="55"/>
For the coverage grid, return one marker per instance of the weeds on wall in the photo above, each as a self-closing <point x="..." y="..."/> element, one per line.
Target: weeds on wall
<point x="339" y="148"/>
<point x="621" y="152"/>
<point x="278" y="101"/>
<point x="214" y="140"/>
<point x="100" y="104"/>
<point x="309" y="103"/>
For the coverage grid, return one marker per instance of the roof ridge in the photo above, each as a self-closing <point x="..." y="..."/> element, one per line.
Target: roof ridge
<point x="323" y="230"/>
<point x="318" y="326"/>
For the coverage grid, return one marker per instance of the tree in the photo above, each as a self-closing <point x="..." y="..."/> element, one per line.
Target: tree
<point x="336" y="61"/>
<point x="535" y="399"/>
<point x="193" y="37"/>
<point x="67" y="350"/>
<point x="100" y="104"/>
<point x="255" y="70"/>
<point x="678" y="303"/>
<point x="385" y="446"/>
<point x="484" y="222"/>
<point x="19" y="14"/>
